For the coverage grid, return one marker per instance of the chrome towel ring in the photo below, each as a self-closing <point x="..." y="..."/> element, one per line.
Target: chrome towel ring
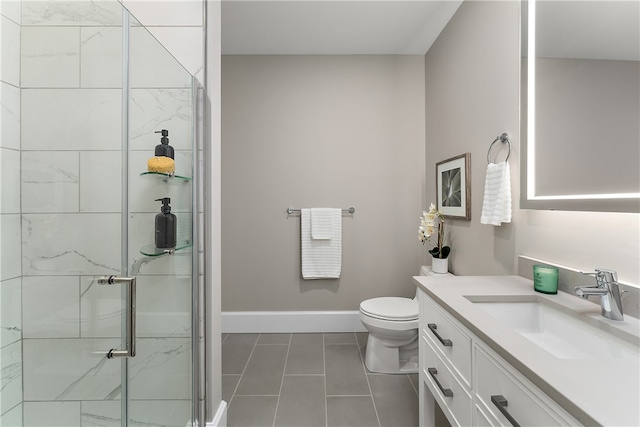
<point x="502" y="138"/>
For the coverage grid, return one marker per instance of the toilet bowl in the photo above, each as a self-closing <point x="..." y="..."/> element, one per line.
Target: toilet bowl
<point x="392" y="322"/>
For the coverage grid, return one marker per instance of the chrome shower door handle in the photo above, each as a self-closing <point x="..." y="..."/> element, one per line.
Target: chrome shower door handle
<point x="130" y="350"/>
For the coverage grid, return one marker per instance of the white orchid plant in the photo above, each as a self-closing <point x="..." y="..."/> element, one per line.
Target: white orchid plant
<point x="431" y="223"/>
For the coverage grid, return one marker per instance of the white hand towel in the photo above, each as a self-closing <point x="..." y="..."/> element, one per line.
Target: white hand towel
<point x="321" y="259"/>
<point x="321" y="223"/>
<point x="496" y="206"/>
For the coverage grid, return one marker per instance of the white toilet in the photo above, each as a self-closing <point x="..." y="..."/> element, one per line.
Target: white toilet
<point x="392" y="322"/>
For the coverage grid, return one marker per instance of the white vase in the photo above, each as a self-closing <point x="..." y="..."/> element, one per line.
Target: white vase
<point x="440" y="265"/>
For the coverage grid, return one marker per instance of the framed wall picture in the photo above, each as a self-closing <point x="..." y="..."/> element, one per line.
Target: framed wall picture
<point x="453" y="181"/>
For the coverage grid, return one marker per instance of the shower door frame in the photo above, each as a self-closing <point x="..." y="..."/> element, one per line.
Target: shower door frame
<point x="125" y="213"/>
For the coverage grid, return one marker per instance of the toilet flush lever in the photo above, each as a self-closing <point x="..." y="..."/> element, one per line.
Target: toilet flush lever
<point x="445" y="342"/>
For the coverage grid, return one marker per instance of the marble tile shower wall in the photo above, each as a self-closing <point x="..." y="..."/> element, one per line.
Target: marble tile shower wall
<point x="61" y="223"/>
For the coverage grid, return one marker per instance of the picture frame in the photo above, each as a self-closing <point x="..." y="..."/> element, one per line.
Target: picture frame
<point x="453" y="187"/>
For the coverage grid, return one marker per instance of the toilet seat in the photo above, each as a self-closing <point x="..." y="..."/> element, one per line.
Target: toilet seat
<point x="392" y="322"/>
<point x="390" y="308"/>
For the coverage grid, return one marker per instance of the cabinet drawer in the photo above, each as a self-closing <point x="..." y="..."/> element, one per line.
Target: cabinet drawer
<point x="451" y="395"/>
<point x="522" y="401"/>
<point x="481" y="419"/>
<point x="452" y="343"/>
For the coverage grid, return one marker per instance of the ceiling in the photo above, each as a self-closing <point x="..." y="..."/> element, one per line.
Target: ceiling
<point x="299" y="27"/>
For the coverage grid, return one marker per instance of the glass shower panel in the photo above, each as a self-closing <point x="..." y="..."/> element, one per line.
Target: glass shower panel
<point x="10" y="265"/>
<point x="160" y="94"/>
<point x="82" y="207"/>
<point x="71" y="216"/>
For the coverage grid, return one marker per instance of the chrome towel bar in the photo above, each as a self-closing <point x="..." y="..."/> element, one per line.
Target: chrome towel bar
<point x="351" y="210"/>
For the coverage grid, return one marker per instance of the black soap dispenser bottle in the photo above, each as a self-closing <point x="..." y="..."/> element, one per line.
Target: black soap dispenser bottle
<point x="166" y="226"/>
<point x="164" y="149"/>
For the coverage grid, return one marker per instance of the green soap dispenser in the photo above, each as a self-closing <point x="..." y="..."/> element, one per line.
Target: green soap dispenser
<point x="164" y="149"/>
<point x="166" y="226"/>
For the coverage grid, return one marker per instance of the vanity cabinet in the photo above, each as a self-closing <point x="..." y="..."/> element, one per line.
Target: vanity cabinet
<point x="441" y="332"/>
<point x="471" y="383"/>
<point x="452" y="395"/>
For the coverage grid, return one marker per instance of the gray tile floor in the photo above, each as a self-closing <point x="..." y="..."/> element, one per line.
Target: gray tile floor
<point x="308" y="380"/>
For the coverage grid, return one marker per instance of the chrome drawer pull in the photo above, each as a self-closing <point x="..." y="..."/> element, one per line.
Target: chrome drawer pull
<point x="433" y="327"/>
<point x="501" y="404"/>
<point x="446" y="391"/>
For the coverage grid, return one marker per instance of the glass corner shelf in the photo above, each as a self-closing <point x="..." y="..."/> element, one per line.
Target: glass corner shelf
<point x="151" y="250"/>
<point x="165" y="177"/>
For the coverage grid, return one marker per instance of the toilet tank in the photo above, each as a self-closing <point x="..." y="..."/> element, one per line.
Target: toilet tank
<point x="425" y="270"/>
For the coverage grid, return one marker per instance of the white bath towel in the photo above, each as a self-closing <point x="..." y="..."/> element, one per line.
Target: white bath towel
<point x="322" y="223"/>
<point x="496" y="205"/>
<point x="321" y="259"/>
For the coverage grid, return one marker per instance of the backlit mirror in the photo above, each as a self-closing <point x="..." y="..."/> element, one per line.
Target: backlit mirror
<point x="581" y="105"/>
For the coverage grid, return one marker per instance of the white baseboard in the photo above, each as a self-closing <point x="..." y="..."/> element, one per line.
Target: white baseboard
<point x="290" y="321"/>
<point x="220" y="419"/>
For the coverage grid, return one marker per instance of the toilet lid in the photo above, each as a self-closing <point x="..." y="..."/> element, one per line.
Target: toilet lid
<point x="391" y="308"/>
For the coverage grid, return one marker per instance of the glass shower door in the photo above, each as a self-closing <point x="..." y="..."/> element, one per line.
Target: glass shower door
<point x="160" y="99"/>
<point x="81" y="207"/>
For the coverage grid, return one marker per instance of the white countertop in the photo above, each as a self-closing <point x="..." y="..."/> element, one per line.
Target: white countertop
<point x="594" y="391"/>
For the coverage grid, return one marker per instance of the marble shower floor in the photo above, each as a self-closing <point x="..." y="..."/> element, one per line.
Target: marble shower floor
<point x="308" y="380"/>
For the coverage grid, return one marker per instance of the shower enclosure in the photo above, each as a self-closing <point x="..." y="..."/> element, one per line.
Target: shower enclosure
<point x="84" y="89"/>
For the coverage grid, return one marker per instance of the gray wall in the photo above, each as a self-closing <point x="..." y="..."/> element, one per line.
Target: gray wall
<point x="472" y="90"/>
<point x="320" y="131"/>
<point x="472" y="96"/>
<point x="277" y="110"/>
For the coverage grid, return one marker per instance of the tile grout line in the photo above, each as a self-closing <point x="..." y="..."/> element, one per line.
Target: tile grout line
<point x="284" y="368"/>
<point x="304" y="375"/>
<point x="348" y="395"/>
<point x="341" y="343"/>
<point x="257" y="395"/>
<point x="364" y="367"/>
<point x="243" y="370"/>
<point x="272" y="344"/>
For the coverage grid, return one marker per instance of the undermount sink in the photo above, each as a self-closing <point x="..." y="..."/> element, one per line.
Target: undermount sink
<point x="561" y="334"/>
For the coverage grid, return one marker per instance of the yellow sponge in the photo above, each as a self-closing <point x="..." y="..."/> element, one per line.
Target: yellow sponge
<point x="161" y="164"/>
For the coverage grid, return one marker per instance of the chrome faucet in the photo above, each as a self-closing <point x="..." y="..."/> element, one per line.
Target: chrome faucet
<point x="609" y="291"/>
